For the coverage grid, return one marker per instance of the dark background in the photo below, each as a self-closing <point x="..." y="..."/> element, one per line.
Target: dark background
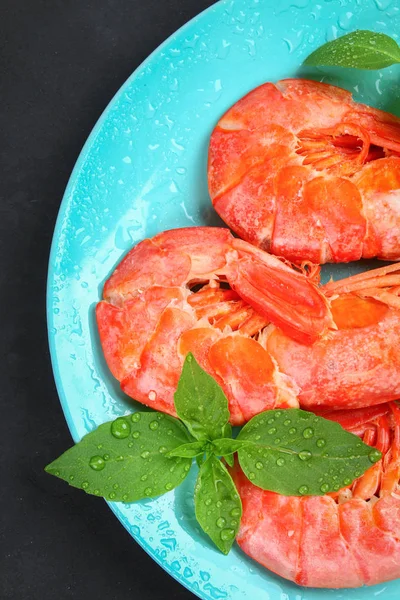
<point x="61" y="61"/>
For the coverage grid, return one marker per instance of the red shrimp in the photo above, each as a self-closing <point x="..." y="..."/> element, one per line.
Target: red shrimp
<point x="346" y="539"/>
<point x="264" y="331"/>
<point x="304" y="172"/>
<point x="201" y="290"/>
<point x="358" y="364"/>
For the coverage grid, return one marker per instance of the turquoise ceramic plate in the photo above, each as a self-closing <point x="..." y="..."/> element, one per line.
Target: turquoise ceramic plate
<point x="143" y="170"/>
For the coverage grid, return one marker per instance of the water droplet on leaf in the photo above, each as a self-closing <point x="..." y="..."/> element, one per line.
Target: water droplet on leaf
<point x="227" y="534"/>
<point x="135" y="418"/>
<point x="153" y="425"/>
<point x="97" y="463"/>
<point x="308" y="433"/>
<point x="374" y="456"/>
<point x="120" y="428"/>
<point x="280" y="462"/>
<point x="303" y="489"/>
<point x="305" y="455"/>
<point x="221" y="522"/>
<point x="321" y="443"/>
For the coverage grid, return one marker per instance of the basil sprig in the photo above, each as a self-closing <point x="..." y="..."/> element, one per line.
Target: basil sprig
<point x="146" y="454"/>
<point x="361" y="49"/>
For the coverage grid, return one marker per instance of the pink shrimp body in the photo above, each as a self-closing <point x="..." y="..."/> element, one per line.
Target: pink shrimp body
<point x="201" y="290"/>
<point x="302" y="171"/>
<point x="358" y="364"/>
<point x="346" y="539"/>
<point x="264" y="331"/>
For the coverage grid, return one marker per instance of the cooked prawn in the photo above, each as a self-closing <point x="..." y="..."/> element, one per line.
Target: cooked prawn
<point x="304" y="172"/>
<point x="201" y="290"/>
<point x="345" y="539"/>
<point x="359" y="363"/>
<point x="264" y="331"/>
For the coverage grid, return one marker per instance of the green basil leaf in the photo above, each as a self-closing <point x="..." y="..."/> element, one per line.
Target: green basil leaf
<point x="360" y="49"/>
<point x="230" y="461"/>
<point x="294" y="453"/>
<point x="224" y="446"/>
<point x="227" y="431"/>
<point x="200" y="402"/>
<point x="190" y="450"/>
<point x="200" y="459"/>
<point x="217" y="504"/>
<point x="125" y="460"/>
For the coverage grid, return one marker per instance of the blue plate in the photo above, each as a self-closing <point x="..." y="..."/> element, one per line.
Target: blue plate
<point x="143" y="170"/>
